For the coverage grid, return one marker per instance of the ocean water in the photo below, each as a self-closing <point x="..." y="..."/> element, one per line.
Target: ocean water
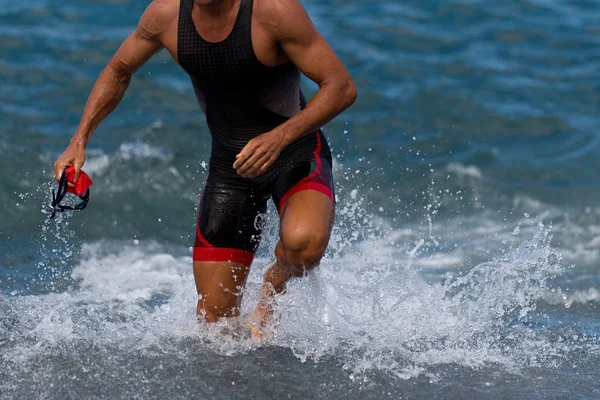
<point x="464" y="262"/>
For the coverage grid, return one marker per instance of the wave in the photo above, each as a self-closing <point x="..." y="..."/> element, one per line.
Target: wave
<point x="367" y="310"/>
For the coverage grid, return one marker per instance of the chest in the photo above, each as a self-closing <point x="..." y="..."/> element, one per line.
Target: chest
<point x="214" y="29"/>
<point x="216" y="33"/>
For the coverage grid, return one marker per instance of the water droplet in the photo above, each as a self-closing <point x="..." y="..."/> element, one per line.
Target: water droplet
<point x="136" y="242"/>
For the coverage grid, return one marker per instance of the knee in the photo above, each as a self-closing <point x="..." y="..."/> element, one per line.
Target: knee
<point x="301" y="250"/>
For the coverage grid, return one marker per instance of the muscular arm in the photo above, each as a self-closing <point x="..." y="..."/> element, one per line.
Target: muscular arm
<point x="113" y="81"/>
<point x="292" y="31"/>
<point x="296" y="35"/>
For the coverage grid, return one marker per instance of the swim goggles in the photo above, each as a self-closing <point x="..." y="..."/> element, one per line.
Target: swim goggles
<point x="80" y="188"/>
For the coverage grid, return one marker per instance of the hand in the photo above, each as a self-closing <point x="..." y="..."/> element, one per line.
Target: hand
<point x="73" y="156"/>
<point x="259" y="154"/>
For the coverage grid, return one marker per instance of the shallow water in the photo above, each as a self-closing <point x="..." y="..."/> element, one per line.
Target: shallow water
<point x="463" y="263"/>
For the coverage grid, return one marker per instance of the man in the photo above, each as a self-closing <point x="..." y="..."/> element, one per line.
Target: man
<point x="244" y="58"/>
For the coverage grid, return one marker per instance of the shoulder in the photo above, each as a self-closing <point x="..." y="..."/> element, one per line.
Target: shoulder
<point x="159" y="15"/>
<point x="282" y="17"/>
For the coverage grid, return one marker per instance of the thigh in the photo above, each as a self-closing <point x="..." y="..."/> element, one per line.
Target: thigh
<point x="308" y="169"/>
<point x="306" y="218"/>
<point x="220" y="286"/>
<point x="305" y="199"/>
<point x="228" y="226"/>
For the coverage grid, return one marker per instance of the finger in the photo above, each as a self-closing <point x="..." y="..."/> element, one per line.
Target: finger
<point x="77" y="167"/>
<point x="257" y="153"/>
<point x="58" y="170"/>
<point x="266" y="165"/>
<point x="259" y="167"/>
<point x="272" y="159"/>
<point x="243" y="155"/>
<point x="241" y="158"/>
<point x="245" y="168"/>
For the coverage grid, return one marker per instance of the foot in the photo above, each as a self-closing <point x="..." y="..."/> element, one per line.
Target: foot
<point x="262" y="324"/>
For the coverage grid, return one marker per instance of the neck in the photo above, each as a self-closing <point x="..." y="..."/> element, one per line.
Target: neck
<point x="215" y="8"/>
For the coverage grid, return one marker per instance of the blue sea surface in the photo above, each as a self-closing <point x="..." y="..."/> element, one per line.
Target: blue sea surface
<point x="464" y="262"/>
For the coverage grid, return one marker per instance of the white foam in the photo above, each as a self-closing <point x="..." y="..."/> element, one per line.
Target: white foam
<point x="441" y="260"/>
<point x="367" y="306"/>
<point x="587" y="296"/>
<point x="464" y="171"/>
<point x="131" y="274"/>
<point x="98" y="161"/>
<point x="367" y="309"/>
<point x="388" y="317"/>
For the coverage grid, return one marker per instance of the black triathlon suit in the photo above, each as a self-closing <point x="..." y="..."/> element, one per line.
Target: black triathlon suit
<point x="242" y="99"/>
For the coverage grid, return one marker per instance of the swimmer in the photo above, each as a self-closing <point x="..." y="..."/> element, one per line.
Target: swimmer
<point x="244" y="59"/>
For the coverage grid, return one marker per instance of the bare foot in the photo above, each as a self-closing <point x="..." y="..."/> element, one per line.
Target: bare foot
<point x="259" y="334"/>
<point x="262" y="324"/>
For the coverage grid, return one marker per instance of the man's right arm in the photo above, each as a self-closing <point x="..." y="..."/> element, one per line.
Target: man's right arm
<point x="112" y="83"/>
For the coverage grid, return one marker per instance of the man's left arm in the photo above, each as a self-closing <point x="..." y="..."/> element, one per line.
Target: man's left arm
<point x="293" y="31"/>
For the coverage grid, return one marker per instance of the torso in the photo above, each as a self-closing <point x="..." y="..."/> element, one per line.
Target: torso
<point x="211" y="30"/>
<point x="243" y="82"/>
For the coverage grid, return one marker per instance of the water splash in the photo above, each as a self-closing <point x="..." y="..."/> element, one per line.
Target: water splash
<point x="369" y="312"/>
<point x="389" y="318"/>
<point x="368" y="307"/>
